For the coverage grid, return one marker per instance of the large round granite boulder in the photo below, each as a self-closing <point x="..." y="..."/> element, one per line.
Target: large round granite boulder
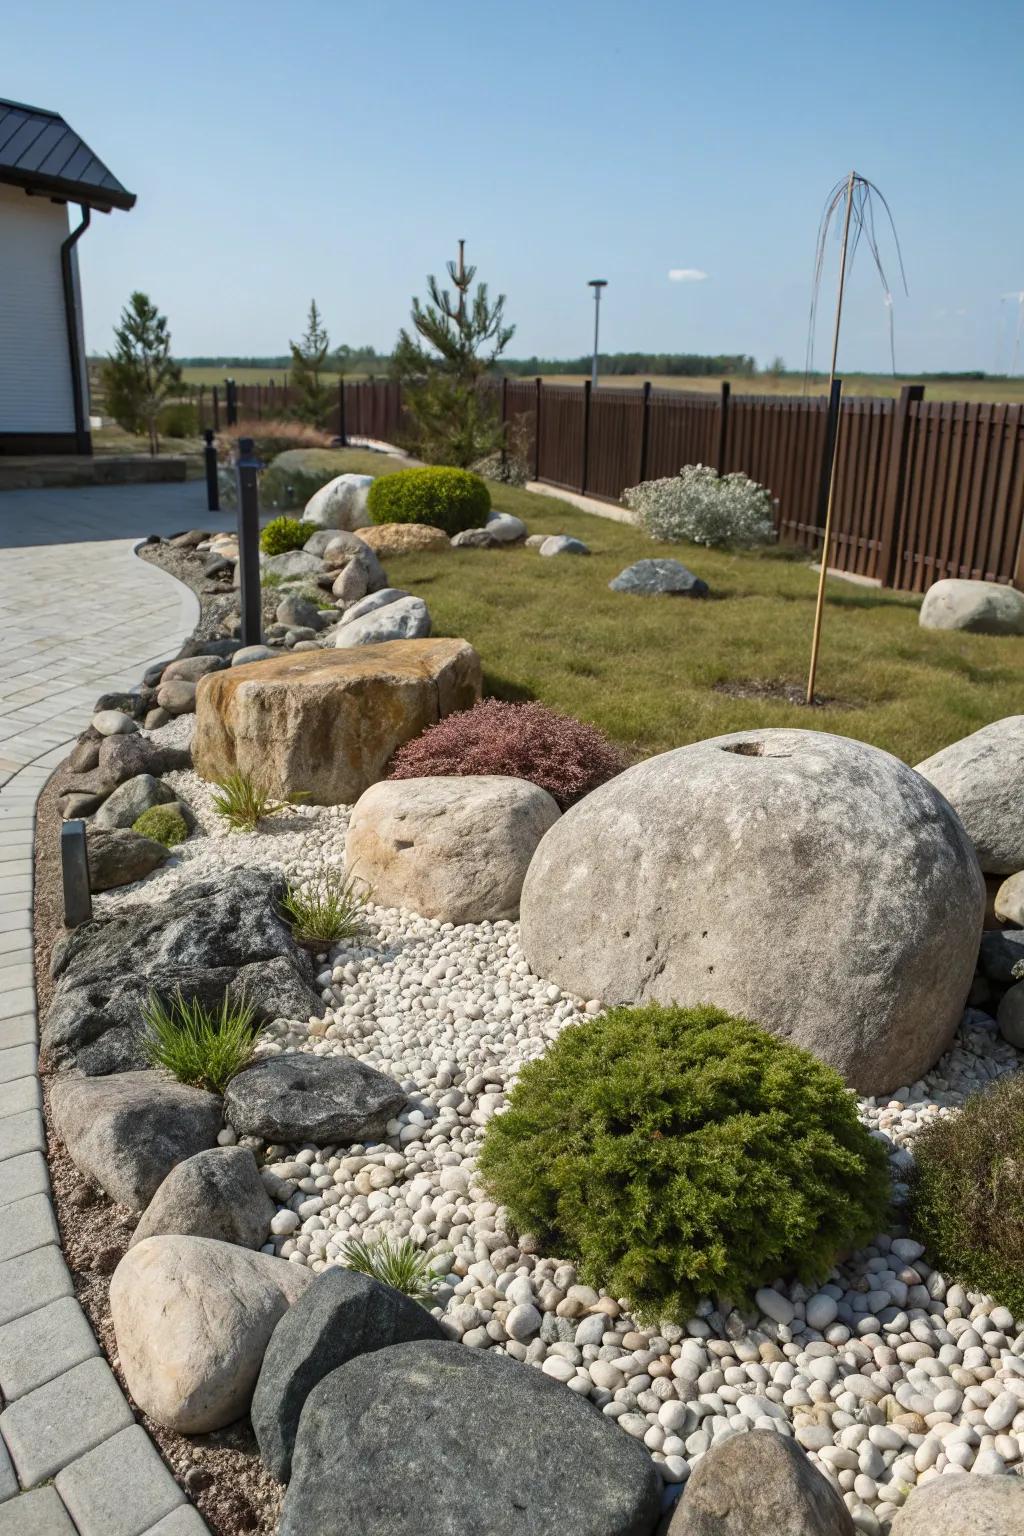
<point x="325" y="723"/>
<point x="813" y="884"/>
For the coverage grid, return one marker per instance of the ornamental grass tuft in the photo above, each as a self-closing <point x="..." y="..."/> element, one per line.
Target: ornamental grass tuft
<point x="243" y="804"/>
<point x="401" y="1265"/>
<point x="325" y="909"/>
<point x="967" y="1193"/>
<point x="198" y="1045"/>
<point x="677" y="1153"/>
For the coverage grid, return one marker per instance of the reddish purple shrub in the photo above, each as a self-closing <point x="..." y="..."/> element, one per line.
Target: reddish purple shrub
<point x="522" y="741"/>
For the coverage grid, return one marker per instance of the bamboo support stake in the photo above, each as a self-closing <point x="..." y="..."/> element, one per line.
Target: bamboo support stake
<point x="827" y="537"/>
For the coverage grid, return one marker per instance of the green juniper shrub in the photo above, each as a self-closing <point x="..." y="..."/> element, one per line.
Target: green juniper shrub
<point x="450" y="499"/>
<point x="284" y="534"/>
<point x="967" y="1193"/>
<point x="676" y="1153"/>
<point x="163" y="824"/>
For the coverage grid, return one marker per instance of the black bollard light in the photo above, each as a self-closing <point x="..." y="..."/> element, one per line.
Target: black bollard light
<point x="212" y="486"/>
<point x="74" y="865"/>
<point x="248" y="466"/>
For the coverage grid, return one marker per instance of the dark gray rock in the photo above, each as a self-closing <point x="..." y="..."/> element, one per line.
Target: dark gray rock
<point x="75" y="804"/>
<point x="208" y="938"/>
<point x="124" y="703"/>
<point x="340" y="1316"/>
<point x="647" y="578"/>
<point x="120" y="856"/>
<point x="127" y="1132"/>
<point x="474" y="538"/>
<point x="1000" y="952"/>
<point x="297" y="1097"/>
<point x="85" y="754"/>
<point x="126" y="804"/>
<point x="125" y="757"/>
<point x="189" y="669"/>
<point x="436" y="1437"/>
<point x="156" y="718"/>
<point x="189" y="539"/>
<point x="222" y="645"/>
<point x="296" y="611"/>
<point x="759" y="1482"/>
<point x="216" y="565"/>
<point x="217" y="1193"/>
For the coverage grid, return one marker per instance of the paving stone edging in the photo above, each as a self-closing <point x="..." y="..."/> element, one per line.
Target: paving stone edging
<point x="72" y="1457"/>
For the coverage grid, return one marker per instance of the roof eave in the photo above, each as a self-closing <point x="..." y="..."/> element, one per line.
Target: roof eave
<point x="102" y="199"/>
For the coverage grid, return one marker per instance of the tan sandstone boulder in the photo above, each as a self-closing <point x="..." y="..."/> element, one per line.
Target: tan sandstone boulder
<point x="454" y="848"/>
<point x="403" y="538"/>
<point x="327" y="722"/>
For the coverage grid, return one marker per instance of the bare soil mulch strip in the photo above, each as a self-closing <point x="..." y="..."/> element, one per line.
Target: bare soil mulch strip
<point x="781" y="692"/>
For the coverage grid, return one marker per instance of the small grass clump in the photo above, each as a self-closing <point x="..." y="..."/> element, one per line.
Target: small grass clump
<point x="163" y="825"/>
<point x="325" y="910"/>
<point x="202" y="1047"/>
<point x="243" y="804"/>
<point x="450" y="499"/>
<point x="677" y="1153"/>
<point x="284" y="534"/>
<point x="967" y="1193"/>
<point x="401" y="1265"/>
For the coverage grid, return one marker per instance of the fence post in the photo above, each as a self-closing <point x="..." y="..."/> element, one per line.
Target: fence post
<point x="216" y="409"/>
<point x="896" y="484"/>
<point x="231" y="396"/>
<point x="536" y="429"/>
<point x="504" y="417"/>
<point x="723" y="427"/>
<point x="587" y="386"/>
<point x="645" y="430"/>
<point x="828" y="457"/>
<point x="212" y="487"/>
<point x="249" y="541"/>
<point x="341" y="413"/>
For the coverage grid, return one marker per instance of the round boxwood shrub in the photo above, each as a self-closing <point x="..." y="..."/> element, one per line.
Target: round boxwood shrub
<point x="522" y="741"/>
<point x="284" y="534"/>
<point x="163" y="824"/>
<point x="967" y="1193"/>
<point x="451" y="499"/>
<point x="676" y="1153"/>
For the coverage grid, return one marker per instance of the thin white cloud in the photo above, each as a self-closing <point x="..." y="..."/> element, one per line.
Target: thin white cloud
<point x="686" y="275"/>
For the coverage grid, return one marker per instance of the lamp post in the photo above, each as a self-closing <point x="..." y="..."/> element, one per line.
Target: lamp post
<point x="597" y="283"/>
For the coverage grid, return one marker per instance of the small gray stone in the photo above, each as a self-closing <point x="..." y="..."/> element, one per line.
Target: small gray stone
<point x="982" y="777"/>
<point x="475" y="538"/>
<point x="120" y="1488"/>
<point x="219" y="565"/>
<point x="340" y="549"/>
<point x="85" y="755"/>
<point x="52" y="1426"/>
<point x="963" y="1506"/>
<point x="294" y="562"/>
<point x="505" y="528"/>
<point x="126" y="757"/>
<point x="250" y="653"/>
<point x="126" y="804"/>
<point x="563" y="544"/>
<point x="120" y="856"/>
<point x="296" y="1097"/>
<point x="43" y="1344"/>
<point x="75" y="805"/>
<point x="217" y="1193"/>
<point x="648" y="578"/>
<point x="177" y="696"/>
<point x="317" y="542"/>
<point x="111" y="722"/>
<point x="189" y="669"/>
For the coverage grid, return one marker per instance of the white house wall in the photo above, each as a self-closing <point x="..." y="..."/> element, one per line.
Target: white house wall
<point x="35" y="373"/>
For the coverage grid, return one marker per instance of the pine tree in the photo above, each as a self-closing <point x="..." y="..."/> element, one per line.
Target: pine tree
<point x="309" y="358"/>
<point x="140" y="374"/>
<point x="459" y="336"/>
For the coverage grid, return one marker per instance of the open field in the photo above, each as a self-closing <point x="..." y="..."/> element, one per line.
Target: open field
<point x="648" y="670"/>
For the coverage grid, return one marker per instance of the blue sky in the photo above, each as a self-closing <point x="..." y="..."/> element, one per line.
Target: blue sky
<point x="339" y="150"/>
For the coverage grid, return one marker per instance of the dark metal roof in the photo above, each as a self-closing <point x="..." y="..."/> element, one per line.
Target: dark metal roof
<point x="38" y="151"/>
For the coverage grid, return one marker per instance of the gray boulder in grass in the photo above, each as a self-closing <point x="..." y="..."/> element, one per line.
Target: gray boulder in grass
<point x="758" y="1483"/>
<point x="982" y="777"/>
<point x="341" y="1315"/>
<point x="649" y="578"/>
<point x="217" y="1193"/>
<point x="506" y="528"/>
<point x="980" y="607"/>
<point x="434" y="1437"/>
<point x="562" y="544"/>
<point x="814" y="884"/>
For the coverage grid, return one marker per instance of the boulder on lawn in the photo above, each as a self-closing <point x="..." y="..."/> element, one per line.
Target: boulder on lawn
<point x="404" y="538"/>
<point x="505" y="528"/>
<point x="563" y="544"/>
<point x="813" y="884"/>
<point x="120" y="857"/>
<point x="341" y="1315"/>
<point x="217" y="1193"/>
<point x="759" y="1482"/>
<point x="648" y="578"/>
<point x="497" y="1447"/>
<point x="982" y="777"/>
<point x="327" y="722"/>
<point x="298" y="1097"/>
<point x="474" y="538"/>
<point x="127" y="803"/>
<point x="408" y="618"/>
<point x="192" y="1318"/>
<point x="452" y="848"/>
<point x="126" y="1132"/>
<point x="217" y="936"/>
<point x="963" y="1506"/>
<point x="341" y="503"/>
<point x="980" y="607"/>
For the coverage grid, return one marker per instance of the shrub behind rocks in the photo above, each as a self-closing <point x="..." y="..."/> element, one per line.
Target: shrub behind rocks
<point x="967" y="1193"/>
<point x="284" y="534"/>
<point x="680" y="1153"/>
<point x="451" y="499"/>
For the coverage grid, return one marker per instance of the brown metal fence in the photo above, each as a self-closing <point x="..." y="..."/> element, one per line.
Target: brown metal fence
<point x="923" y="490"/>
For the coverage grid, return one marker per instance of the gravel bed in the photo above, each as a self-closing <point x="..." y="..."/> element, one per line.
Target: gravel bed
<point x="887" y="1375"/>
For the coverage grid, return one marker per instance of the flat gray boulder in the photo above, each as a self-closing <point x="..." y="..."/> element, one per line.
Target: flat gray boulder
<point x="649" y="578"/>
<point x="757" y="1483"/>
<point x="405" y="619"/>
<point x="982" y="777"/>
<point x="216" y="936"/>
<point x="217" y="1193"/>
<point x="475" y="538"/>
<point x="126" y="804"/>
<point x="808" y="882"/>
<point x="121" y="857"/>
<point x="127" y="1132"/>
<point x="297" y="1097"/>
<point x="126" y="757"/>
<point x="341" y="1315"/>
<point x="435" y="1437"/>
<point x="294" y="562"/>
<point x="963" y="1506"/>
<point x="192" y="1318"/>
<point x="980" y="607"/>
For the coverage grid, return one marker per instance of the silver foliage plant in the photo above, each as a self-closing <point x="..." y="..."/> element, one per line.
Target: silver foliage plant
<point x="701" y="507"/>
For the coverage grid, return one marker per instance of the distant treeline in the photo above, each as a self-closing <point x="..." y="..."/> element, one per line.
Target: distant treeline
<point x="681" y="364"/>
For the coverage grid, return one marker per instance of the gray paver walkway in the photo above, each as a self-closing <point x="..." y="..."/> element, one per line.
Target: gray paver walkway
<point x="80" y="615"/>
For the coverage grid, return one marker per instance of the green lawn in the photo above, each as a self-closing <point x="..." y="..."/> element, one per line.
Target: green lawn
<point x="645" y="669"/>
